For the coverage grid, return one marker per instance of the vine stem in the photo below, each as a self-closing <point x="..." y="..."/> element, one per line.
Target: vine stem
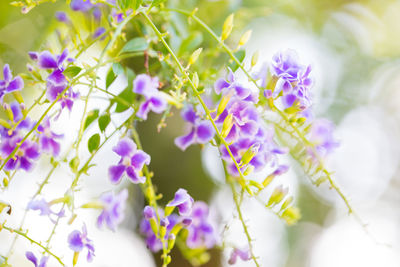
<point x="20" y="233"/>
<point x="239" y="211"/>
<point x="149" y="192"/>
<point x="302" y="138"/>
<point x="209" y="117"/>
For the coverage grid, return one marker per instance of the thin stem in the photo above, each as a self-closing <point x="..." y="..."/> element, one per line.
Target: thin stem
<point x="20" y="233"/>
<point x="237" y="201"/>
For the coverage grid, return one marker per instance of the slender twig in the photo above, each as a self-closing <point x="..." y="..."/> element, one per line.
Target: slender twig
<point x="20" y="233"/>
<point x="237" y="201"/>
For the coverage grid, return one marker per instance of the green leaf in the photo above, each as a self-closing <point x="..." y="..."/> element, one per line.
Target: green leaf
<point x="191" y="43"/>
<point x="72" y="71"/>
<point x="128" y="95"/>
<point x="240" y="55"/>
<point x="157" y="2"/>
<point x="104" y="120"/>
<point x="117" y="69"/>
<point x="110" y="78"/>
<point x="94" y="142"/>
<point x="124" y="4"/>
<point x="136" y="4"/>
<point x="135" y="45"/>
<point x="91" y="117"/>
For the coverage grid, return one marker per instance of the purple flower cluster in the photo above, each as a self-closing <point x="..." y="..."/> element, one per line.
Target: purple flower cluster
<point x="293" y="80"/>
<point x="30" y="150"/>
<point x="152" y="241"/>
<point x="193" y="216"/>
<point x="131" y="162"/>
<point x="56" y="80"/>
<point x="251" y="143"/>
<point x="9" y="83"/>
<point x="147" y="86"/>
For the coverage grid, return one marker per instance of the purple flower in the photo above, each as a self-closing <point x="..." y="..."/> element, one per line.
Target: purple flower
<point x="23" y="158"/>
<point x="77" y="241"/>
<point x="147" y="86"/>
<point x="119" y="16"/>
<point x="47" y="60"/>
<point x="56" y="81"/>
<point x="231" y="86"/>
<point x="152" y="241"/>
<point x="47" y="138"/>
<point x="243" y="254"/>
<point x="99" y="32"/>
<point x="201" y="131"/>
<point x="67" y="100"/>
<point x="56" y="84"/>
<point x="245" y="119"/>
<point x="285" y="64"/>
<point x="132" y="161"/>
<point x="149" y="213"/>
<point x="31" y="257"/>
<point x="183" y="201"/>
<point x="23" y="124"/>
<point x="321" y="135"/>
<point x="81" y="5"/>
<point x="265" y="148"/>
<point x="294" y="80"/>
<point x="44" y="207"/>
<point x="9" y="83"/>
<point x="113" y="209"/>
<point x="201" y="233"/>
<point x="62" y="17"/>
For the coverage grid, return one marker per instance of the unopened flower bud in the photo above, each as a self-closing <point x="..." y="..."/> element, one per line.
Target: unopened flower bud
<point x="245" y="37"/>
<point x="227" y="28"/>
<point x="186" y="222"/>
<point x="227" y="125"/>
<point x="250" y="153"/>
<point x="193" y="58"/>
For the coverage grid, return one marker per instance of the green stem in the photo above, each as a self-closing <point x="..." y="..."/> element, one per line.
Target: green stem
<point x="20" y="233"/>
<point x="236" y="199"/>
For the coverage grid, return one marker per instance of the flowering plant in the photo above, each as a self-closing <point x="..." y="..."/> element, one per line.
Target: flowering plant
<point x="254" y="114"/>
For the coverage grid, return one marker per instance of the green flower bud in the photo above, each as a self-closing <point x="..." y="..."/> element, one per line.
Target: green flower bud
<point x="227" y="125"/>
<point x="193" y="58"/>
<point x="227" y="28"/>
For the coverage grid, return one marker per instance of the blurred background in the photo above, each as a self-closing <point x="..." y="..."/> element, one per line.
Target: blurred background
<point x="354" y="49"/>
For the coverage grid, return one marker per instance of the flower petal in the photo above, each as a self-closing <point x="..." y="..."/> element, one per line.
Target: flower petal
<point x="30" y="256"/>
<point x="125" y="147"/>
<point x="46" y="60"/>
<point x="139" y="159"/>
<point x="204" y="132"/>
<point x="115" y="173"/>
<point x="75" y="241"/>
<point x="184" y="141"/>
<point x="7" y="73"/>
<point x="134" y="176"/>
